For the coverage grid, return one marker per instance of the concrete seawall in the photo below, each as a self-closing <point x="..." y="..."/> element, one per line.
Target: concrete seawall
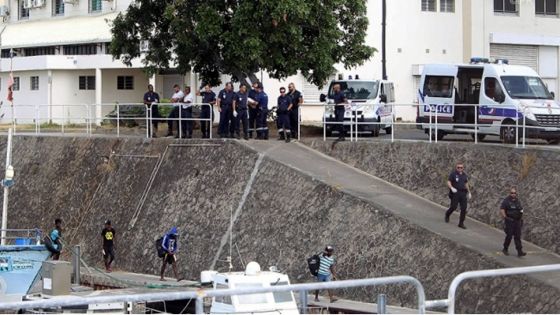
<point x="145" y="187"/>
<point x="423" y="169"/>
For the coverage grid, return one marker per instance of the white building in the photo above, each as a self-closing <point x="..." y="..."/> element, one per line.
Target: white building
<point x="61" y="50"/>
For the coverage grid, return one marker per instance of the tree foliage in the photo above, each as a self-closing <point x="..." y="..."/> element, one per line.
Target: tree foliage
<point x="241" y="37"/>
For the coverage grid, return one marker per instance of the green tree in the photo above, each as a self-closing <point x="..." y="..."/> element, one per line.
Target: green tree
<point x="241" y="37"/>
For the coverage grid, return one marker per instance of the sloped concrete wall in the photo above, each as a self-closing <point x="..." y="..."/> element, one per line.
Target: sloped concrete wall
<point x="287" y="217"/>
<point x="423" y="169"/>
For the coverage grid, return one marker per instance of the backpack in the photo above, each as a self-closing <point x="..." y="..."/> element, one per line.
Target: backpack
<point x="159" y="247"/>
<point x="314" y="262"/>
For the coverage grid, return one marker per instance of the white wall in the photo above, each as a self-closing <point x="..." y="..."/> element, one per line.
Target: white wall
<point x="110" y="92"/>
<point x="25" y="99"/>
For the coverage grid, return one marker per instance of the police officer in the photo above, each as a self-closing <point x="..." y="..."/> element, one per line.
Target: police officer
<point x="459" y="192"/>
<point x="284" y="107"/>
<point x="187" y="114"/>
<point x="240" y="110"/>
<point x="208" y="97"/>
<point x="151" y="99"/>
<point x="262" y="106"/>
<point x="512" y="212"/>
<point x="340" y="102"/>
<point x="176" y="99"/>
<point x="297" y="100"/>
<point x="253" y="110"/>
<point x="225" y="106"/>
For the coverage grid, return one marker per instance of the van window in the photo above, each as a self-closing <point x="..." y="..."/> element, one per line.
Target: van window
<point x="438" y="86"/>
<point x="357" y="90"/>
<point x="492" y="88"/>
<point x="526" y="87"/>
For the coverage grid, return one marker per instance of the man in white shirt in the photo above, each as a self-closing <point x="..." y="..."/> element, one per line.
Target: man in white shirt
<point x="176" y="99"/>
<point x="186" y="113"/>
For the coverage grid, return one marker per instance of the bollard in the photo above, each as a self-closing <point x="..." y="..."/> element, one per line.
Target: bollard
<point x="381" y="304"/>
<point x="76" y="263"/>
<point x="303" y="302"/>
<point x="199" y="306"/>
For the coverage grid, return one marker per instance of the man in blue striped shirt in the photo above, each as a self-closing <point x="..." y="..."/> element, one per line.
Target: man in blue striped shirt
<point x="326" y="271"/>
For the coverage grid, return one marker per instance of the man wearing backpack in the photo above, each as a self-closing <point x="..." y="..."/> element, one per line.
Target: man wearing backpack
<point x="169" y="245"/>
<point x="326" y="271"/>
<point x="53" y="240"/>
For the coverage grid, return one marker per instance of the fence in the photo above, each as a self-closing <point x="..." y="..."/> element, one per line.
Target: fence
<point x="478" y="120"/>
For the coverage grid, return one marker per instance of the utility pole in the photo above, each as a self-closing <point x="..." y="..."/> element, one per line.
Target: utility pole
<point x="384" y="38"/>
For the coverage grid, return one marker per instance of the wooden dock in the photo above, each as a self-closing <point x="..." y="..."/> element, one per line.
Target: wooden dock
<point x="120" y="280"/>
<point x="342" y="306"/>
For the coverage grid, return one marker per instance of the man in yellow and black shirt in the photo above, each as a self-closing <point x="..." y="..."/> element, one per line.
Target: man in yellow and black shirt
<point x="108" y="235"/>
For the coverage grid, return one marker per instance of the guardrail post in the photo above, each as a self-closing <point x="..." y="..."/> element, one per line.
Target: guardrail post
<point x="76" y="253"/>
<point x="476" y="123"/>
<point x="211" y="122"/>
<point x="324" y="123"/>
<point x="179" y="131"/>
<point x="381" y="304"/>
<point x="303" y="302"/>
<point x="524" y="127"/>
<point x="148" y="116"/>
<point x="36" y="119"/>
<point x="63" y="118"/>
<point x="430" y="124"/>
<point x="299" y="122"/>
<point x="436" y="124"/>
<point x="393" y="112"/>
<point x="118" y="119"/>
<point x="517" y="129"/>
<point x="199" y="306"/>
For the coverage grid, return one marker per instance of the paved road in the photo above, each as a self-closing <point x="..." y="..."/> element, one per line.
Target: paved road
<point x="479" y="237"/>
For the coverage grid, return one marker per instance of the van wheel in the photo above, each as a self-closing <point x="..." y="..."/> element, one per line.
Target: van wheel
<point x="376" y="129"/>
<point x="389" y="130"/>
<point x="329" y="132"/>
<point x="440" y="135"/>
<point x="479" y="136"/>
<point x="508" y="133"/>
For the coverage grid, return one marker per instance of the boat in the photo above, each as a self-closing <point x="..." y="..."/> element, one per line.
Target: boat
<point x="21" y="253"/>
<point x="252" y="277"/>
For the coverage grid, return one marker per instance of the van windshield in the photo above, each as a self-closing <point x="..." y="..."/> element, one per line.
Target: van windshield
<point x="526" y="87"/>
<point x="357" y="90"/>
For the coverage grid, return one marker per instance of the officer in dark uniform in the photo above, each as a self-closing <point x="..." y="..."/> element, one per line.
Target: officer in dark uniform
<point x="225" y="106"/>
<point x="262" y="105"/>
<point x="459" y="192"/>
<point x="297" y="100"/>
<point x="187" y="124"/>
<point x="512" y="212"/>
<point x="340" y="102"/>
<point x="208" y="97"/>
<point x="253" y="110"/>
<point x="284" y="107"/>
<point x="151" y="99"/>
<point x="240" y="110"/>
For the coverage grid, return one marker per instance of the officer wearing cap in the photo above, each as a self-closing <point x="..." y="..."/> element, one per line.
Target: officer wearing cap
<point x="326" y="271"/>
<point x="240" y="112"/>
<point x="511" y="211"/>
<point x="225" y="106"/>
<point x="284" y="107"/>
<point x="297" y="100"/>
<point x="459" y="192"/>
<point x="108" y="235"/>
<point x="207" y="110"/>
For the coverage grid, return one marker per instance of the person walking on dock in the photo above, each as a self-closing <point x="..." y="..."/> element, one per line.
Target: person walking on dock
<point x="326" y="271"/>
<point x="108" y="235"/>
<point x="459" y="192"/>
<point x="53" y="240"/>
<point x="511" y="211"/>
<point x="170" y="247"/>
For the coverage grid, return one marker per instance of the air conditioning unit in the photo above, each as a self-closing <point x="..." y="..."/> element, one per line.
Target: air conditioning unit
<point x="4" y="11"/>
<point x="39" y="3"/>
<point x="28" y="4"/>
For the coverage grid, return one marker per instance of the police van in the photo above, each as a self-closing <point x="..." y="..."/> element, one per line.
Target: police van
<point x="369" y="101"/>
<point x="503" y="95"/>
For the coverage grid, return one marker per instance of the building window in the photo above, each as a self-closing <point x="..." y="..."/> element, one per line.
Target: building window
<point x="58" y="7"/>
<point x="94" y="6"/>
<point x="39" y="51"/>
<point x="23" y="12"/>
<point x="15" y="87"/>
<point x="80" y="49"/>
<point x="87" y="82"/>
<point x="429" y="5"/>
<point x="125" y="82"/>
<point x="34" y="86"/>
<point x="546" y="7"/>
<point x="447" y="6"/>
<point x="505" y="6"/>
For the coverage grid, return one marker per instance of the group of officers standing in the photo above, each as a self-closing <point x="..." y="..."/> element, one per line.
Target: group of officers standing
<point x="247" y="108"/>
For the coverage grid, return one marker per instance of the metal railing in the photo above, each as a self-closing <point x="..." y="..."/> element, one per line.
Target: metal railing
<point x="27" y="236"/>
<point x="200" y="294"/>
<point x="435" y="128"/>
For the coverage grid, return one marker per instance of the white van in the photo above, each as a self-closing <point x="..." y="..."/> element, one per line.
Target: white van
<point x="503" y="92"/>
<point x="365" y="97"/>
